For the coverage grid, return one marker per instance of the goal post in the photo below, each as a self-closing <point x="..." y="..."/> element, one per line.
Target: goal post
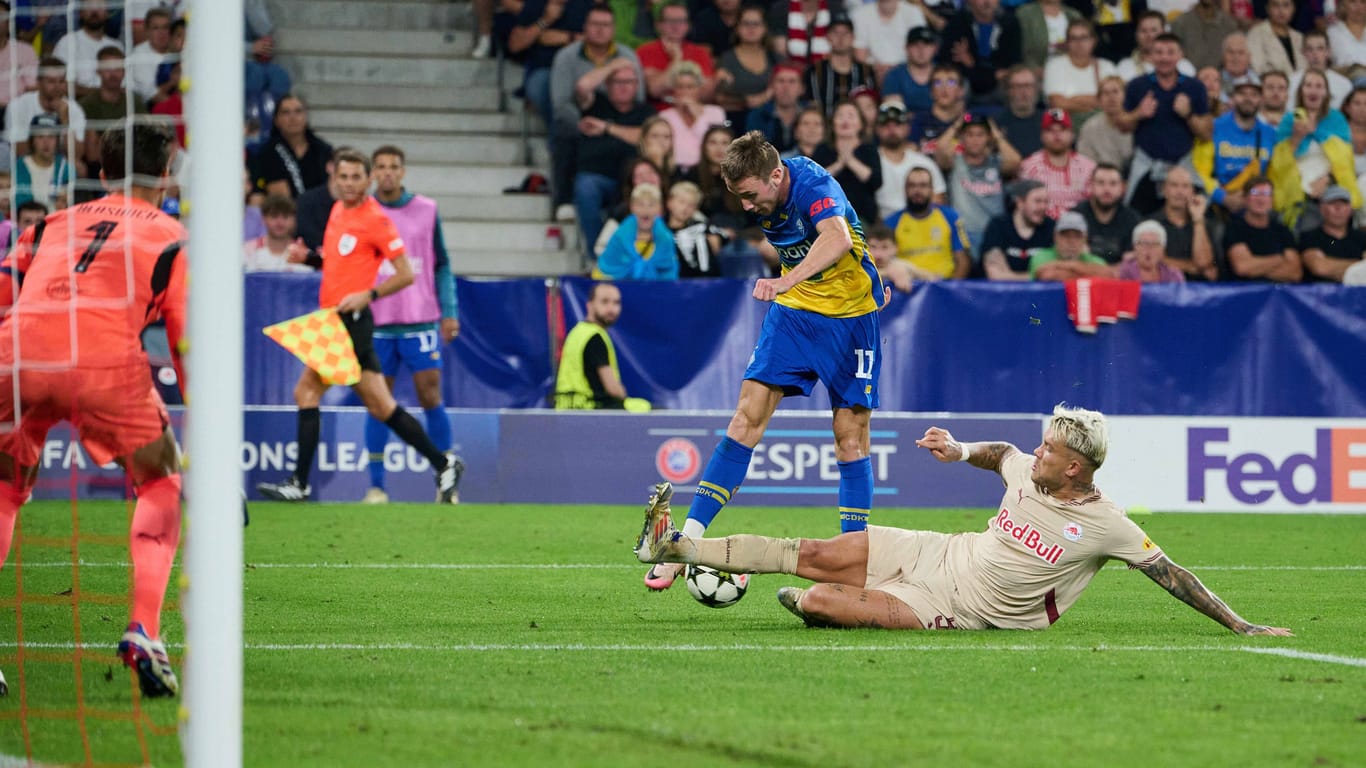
<point x="211" y="729"/>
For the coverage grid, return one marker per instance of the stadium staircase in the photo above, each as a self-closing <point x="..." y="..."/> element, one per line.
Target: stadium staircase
<point x="399" y="72"/>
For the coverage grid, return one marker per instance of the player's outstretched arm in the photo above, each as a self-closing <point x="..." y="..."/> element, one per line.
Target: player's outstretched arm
<point x="941" y="444"/>
<point x="1185" y="587"/>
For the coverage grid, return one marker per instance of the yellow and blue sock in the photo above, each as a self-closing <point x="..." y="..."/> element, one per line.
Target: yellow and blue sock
<point x="856" y="494"/>
<point x="722" y="478"/>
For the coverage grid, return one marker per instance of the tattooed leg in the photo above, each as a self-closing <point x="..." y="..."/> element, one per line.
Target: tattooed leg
<point x="838" y="605"/>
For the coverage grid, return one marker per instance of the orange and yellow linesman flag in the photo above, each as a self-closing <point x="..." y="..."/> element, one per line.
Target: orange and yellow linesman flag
<point x="320" y="340"/>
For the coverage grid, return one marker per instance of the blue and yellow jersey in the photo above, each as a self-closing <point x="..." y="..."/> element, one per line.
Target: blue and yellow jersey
<point x="1224" y="161"/>
<point x="848" y="288"/>
<point x="929" y="243"/>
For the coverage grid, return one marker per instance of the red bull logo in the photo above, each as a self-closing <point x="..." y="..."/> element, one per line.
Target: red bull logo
<point x="1030" y="538"/>
<point x="678" y="460"/>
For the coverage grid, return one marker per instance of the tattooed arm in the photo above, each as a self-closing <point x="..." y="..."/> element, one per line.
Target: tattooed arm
<point x="1185" y="587"/>
<point x="981" y="455"/>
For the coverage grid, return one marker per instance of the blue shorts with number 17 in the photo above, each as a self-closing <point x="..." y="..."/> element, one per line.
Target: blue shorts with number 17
<point x="416" y="351"/>
<point x="796" y="348"/>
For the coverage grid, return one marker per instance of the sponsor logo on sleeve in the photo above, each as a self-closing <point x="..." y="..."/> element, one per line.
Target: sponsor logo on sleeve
<point x="396" y="244"/>
<point x="821" y="205"/>
<point x="1148" y="543"/>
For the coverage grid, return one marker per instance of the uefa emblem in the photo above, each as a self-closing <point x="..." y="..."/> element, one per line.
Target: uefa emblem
<point x="1072" y="531"/>
<point x="678" y="460"/>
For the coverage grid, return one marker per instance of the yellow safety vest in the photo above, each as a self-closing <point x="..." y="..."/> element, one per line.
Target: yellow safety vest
<point x="572" y="390"/>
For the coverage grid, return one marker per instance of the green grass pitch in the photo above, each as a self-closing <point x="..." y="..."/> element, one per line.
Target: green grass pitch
<point x="493" y="635"/>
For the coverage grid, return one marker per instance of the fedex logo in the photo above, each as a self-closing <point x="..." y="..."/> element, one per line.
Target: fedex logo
<point x="1335" y="471"/>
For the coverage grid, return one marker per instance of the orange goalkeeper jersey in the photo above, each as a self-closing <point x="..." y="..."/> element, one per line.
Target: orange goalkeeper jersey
<point x="81" y="285"/>
<point x="356" y="242"/>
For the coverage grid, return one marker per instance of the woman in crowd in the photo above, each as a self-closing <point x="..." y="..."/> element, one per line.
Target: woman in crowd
<point x="1149" y="263"/>
<point x="688" y="116"/>
<point x="1313" y="151"/>
<point x="1273" y="43"/>
<point x="718" y="204"/>
<point x="853" y="162"/>
<point x="1071" y="81"/>
<point x="808" y="132"/>
<point x="1214" y="89"/>
<point x="657" y="145"/>
<point x="743" y="72"/>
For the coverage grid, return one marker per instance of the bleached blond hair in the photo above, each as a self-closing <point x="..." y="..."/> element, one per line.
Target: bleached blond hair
<point x="1081" y="430"/>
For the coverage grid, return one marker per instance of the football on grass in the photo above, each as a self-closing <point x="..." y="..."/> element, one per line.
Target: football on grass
<point x="716" y="589"/>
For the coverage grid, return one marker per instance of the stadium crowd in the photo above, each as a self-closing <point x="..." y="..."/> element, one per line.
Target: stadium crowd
<point x="1164" y="141"/>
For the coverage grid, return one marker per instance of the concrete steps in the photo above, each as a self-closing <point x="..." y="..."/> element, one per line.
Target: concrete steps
<point x="403" y="99"/>
<point x="329" y="119"/>
<point x="507" y="235"/>
<point x="439" y="148"/>
<point x="373" y="14"/>
<point x="510" y="263"/>
<point x="467" y="207"/>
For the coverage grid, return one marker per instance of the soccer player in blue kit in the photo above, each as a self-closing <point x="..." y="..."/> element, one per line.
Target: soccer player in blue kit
<point x="823" y="325"/>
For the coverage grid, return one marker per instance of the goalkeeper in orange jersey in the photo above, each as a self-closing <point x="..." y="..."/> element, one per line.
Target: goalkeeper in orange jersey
<point x="78" y="290"/>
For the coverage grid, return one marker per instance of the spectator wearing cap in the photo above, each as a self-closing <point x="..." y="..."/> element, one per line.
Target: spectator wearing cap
<point x="1166" y="111"/>
<point x="1021" y="120"/>
<point x="1239" y="149"/>
<point x="1202" y="29"/>
<point x="1065" y="173"/>
<point x="1313" y="150"/>
<point x="79" y="47"/>
<point x="929" y="237"/>
<point x="1149" y="264"/>
<point x="49" y="98"/>
<point x="984" y="42"/>
<point x="108" y="106"/>
<point x="911" y="81"/>
<point x="43" y="174"/>
<point x="671" y="47"/>
<point x="977" y="159"/>
<point x="898" y="158"/>
<point x="18" y="65"/>
<point x="689" y="117"/>
<point x="1010" y="242"/>
<point x="1334" y="246"/>
<point x="1109" y="222"/>
<point x="1317" y="55"/>
<point x="1072" y="81"/>
<point x="830" y="80"/>
<point x="1258" y="246"/>
<point x="1069" y="258"/>
<point x="1043" y="31"/>
<point x="948" y="107"/>
<point x="777" y="118"/>
<point x="853" y="162"/>
<point x="1101" y="138"/>
<point x="744" y="72"/>
<point x="880" y="30"/>
<point x="1273" y="43"/>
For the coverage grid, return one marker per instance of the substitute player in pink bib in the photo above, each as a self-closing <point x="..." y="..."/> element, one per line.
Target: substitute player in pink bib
<point x="1051" y="533"/>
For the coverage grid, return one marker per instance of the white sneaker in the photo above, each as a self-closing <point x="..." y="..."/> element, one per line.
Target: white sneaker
<point x="4" y="687"/>
<point x="566" y="212"/>
<point x="375" y="496"/>
<point x="482" y="47"/>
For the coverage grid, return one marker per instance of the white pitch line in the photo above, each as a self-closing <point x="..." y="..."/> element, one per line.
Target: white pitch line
<point x="694" y="648"/>
<point x="599" y="566"/>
